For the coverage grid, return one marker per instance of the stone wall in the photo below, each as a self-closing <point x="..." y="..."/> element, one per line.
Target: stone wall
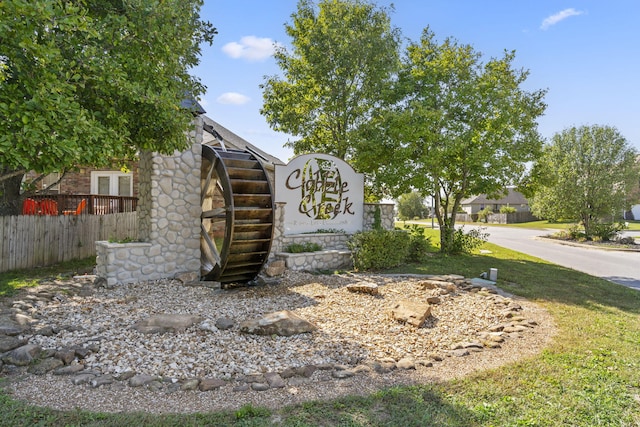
<point x="386" y="215"/>
<point x="334" y="253"/>
<point x="169" y="220"/>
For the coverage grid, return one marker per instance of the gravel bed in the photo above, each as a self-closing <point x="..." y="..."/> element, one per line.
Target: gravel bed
<point x="353" y="329"/>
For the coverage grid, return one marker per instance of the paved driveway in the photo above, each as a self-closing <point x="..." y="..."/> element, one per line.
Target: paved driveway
<point x="615" y="266"/>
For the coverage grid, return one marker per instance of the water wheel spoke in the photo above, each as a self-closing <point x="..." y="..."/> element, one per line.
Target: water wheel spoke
<point x="219" y="213"/>
<point x="212" y="253"/>
<point x="207" y="182"/>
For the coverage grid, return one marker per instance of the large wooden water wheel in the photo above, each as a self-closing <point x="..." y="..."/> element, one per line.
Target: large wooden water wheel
<point x="237" y="215"/>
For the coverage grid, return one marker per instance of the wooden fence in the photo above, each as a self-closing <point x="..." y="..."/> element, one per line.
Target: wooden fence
<point x="498" y="218"/>
<point x="28" y="241"/>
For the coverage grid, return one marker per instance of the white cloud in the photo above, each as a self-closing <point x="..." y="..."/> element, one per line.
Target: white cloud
<point x="251" y="48"/>
<point x="233" y="98"/>
<point x="560" y="16"/>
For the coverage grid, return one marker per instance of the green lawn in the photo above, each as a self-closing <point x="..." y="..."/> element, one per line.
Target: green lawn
<point x="588" y="376"/>
<point x="541" y="225"/>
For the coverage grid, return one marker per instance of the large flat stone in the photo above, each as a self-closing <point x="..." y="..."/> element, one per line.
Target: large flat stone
<point x="283" y="323"/>
<point x="414" y="313"/>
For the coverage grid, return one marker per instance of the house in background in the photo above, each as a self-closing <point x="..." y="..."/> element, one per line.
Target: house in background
<point x="116" y="190"/>
<point x="514" y="199"/>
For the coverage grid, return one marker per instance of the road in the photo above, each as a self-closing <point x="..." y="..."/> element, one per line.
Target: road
<point x="616" y="266"/>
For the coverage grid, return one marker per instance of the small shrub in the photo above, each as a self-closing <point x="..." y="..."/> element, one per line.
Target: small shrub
<point x="326" y="231"/>
<point x="419" y="244"/>
<point x="606" y="232"/>
<point x="379" y="249"/>
<point x="465" y="243"/>
<point x="507" y="210"/>
<point x="574" y="232"/>
<point x="125" y="240"/>
<point x="484" y="214"/>
<point x="296" y="248"/>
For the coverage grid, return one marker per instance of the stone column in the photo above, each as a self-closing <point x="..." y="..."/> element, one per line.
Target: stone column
<point x="168" y="220"/>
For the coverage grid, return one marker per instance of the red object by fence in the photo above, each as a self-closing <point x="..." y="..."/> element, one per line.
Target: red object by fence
<point x="79" y="209"/>
<point x="48" y="207"/>
<point x="30" y="207"/>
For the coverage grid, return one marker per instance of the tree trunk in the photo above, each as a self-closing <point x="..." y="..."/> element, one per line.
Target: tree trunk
<point x="10" y="200"/>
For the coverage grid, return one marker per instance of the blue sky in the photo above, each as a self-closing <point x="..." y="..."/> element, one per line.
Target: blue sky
<point x="586" y="53"/>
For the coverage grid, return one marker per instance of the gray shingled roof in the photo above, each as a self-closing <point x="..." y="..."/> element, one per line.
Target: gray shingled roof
<point x="214" y="130"/>
<point x="513" y="197"/>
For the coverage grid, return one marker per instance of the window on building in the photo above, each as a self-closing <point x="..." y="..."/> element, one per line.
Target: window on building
<point x="112" y="183"/>
<point x="50" y="179"/>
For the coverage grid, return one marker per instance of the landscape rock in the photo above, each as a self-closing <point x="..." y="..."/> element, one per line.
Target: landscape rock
<point x="162" y="323"/>
<point x="363" y="288"/>
<point x="224" y="323"/>
<point x="414" y="313"/>
<point x="8" y="343"/>
<point x="241" y="387"/>
<point x="69" y="370"/>
<point x="22" y="356"/>
<point x="306" y="371"/>
<point x="274" y="380"/>
<point x="101" y="380"/>
<point x="81" y="352"/>
<point x="406" y="363"/>
<point x="282" y="323"/>
<point x="435" y="284"/>
<point x="46" y="331"/>
<point x="82" y="379"/>
<point x="207" y="384"/>
<point x="260" y="386"/>
<point x="275" y="268"/>
<point x="23" y="319"/>
<point x="66" y="356"/>
<point x="190" y="278"/>
<point x="140" y="380"/>
<point x="190" y="384"/>
<point x="45" y="365"/>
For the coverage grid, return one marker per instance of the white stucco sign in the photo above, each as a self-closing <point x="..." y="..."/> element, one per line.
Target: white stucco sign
<point x="320" y="192"/>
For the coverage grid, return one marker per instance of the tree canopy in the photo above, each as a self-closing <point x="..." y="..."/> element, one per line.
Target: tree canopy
<point x="586" y="175"/>
<point x="411" y="205"/>
<point x="344" y="54"/>
<point x="457" y="127"/>
<point x="85" y="83"/>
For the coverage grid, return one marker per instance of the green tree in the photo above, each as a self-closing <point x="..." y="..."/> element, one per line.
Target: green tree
<point x="457" y="128"/>
<point x="585" y="174"/>
<point x="87" y="83"/>
<point x="411" y="205"/>
<point x="344" y="53"/>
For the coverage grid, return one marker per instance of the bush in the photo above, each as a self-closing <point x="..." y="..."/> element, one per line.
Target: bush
<point x="574" y="232"/>
<point x="507" y="210"/>
<point x="296" y="248"/>
<point x="419" y="244"/>
<point x="484" y="214"/>
<point x="379" y="249"/>
<point x="606" y="231"/>
<point x="465" y="243"/>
